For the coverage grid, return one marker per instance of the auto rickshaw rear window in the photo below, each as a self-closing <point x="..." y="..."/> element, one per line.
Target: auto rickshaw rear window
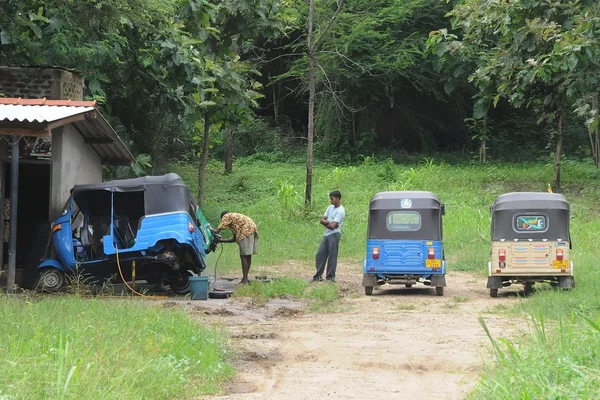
<point x="530" y="223"/>
<point x="403" y="221"/>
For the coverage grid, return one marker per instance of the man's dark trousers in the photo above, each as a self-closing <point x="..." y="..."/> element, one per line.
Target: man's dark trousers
<point x="328" y="253"/>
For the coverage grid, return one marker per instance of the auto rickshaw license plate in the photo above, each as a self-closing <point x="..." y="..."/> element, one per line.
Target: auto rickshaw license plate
<point x="563" y="264"/>
<point x="433" y="263"/>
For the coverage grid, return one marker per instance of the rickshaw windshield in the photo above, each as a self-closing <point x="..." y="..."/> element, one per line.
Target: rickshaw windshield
<point x="530" y="224"/>
<point x="416" y="224"/>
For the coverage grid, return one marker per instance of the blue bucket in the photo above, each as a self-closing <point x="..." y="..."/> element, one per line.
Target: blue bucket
<point x="198" y="287"/>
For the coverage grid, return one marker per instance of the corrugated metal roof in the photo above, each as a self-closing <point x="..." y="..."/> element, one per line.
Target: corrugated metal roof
<point x="41" y="114"/>
<point x="95" y="130"/>
<point x="45" y="102"/>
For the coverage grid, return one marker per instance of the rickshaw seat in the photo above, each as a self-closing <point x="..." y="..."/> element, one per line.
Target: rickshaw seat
<point x="123" y="232"/>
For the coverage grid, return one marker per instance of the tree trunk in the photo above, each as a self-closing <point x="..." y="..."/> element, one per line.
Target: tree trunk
<point x="559" y="145"/>
<point x="203" y="160"/>
<point x="229" y="151"/>
<point x="594" y="139"/>
<point x="275" y="100"/>
<point x="483" y="153"/>
<point x="311" y="103"/>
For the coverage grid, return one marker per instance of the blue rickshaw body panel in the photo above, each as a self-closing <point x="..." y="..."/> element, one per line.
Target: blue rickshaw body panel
<point x="402" y="257"/>
<point x="154" y="228"/>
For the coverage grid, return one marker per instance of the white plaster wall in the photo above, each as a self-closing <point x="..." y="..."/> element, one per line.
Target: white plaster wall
<point x="73" y="162"/>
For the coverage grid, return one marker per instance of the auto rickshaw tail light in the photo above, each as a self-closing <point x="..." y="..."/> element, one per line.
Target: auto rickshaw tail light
<point x="559" y="254"/>
<point x="431" y="253"/>
<point x="191" y="227"/>
<point x="57" y="227"/>
<point x="375" y="253"/>
<point x="502" y="255"/>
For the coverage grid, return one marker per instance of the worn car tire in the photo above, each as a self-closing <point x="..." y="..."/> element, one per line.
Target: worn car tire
<point x="180" y="284"/>
<point x="51" y="279"/>
<point x="493" y="292"/>
<point x="439" y="290"/>
<point x="368" y="290"/>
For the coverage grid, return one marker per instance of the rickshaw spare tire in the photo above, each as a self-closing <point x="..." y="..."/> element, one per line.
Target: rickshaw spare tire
<point x="180" y="284"/>
<point x="368" y="290"/>
<point x="51" y="279"/>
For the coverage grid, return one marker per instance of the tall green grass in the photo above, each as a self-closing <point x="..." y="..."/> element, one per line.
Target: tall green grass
<point x="272" y="194"/>
<point x="73" y="348"/>
<point x="549" y="362"/>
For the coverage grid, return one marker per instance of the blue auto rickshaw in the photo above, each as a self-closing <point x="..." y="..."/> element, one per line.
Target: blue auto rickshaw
<point x="147" y="228"/>
<point x="404" y="241"/>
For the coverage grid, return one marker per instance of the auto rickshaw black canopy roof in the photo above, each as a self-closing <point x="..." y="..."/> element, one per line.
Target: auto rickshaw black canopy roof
<point x="392" y="200"/>
<point x="161" y="194"/>
<point x="553" y="206"/>
<point x="133" y="185"/>
<point x="535" y="200"/>
<point x="426" y="204"/>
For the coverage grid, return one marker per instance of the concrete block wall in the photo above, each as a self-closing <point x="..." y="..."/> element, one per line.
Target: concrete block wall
<point x="40" y="82"/>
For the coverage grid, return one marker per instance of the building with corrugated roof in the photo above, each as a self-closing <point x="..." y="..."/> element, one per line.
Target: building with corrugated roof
<point x="62" y="141"/>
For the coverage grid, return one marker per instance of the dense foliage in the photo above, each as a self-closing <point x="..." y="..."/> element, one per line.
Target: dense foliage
<point x="493" y="79"/>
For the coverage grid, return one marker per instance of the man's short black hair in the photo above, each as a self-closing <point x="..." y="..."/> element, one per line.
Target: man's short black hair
<point x="336" y="193"/>
<point x="223" y="213"/>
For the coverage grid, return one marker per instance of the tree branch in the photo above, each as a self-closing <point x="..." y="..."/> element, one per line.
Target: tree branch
<point x="340" y="3"/>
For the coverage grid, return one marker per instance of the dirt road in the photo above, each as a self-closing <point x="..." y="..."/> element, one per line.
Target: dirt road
<point x="398" y="343"/>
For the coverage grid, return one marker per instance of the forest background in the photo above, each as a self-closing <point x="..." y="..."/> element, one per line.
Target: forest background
<point x="334" y="80"/>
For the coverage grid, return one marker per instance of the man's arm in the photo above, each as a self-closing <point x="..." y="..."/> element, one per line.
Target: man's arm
<point x="335" y="222"/>
<point x="332" y="225"/>
<point x="324" y="221"/>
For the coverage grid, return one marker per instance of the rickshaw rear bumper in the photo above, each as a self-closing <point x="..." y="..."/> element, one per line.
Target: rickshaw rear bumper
<point x="497" y="280"/>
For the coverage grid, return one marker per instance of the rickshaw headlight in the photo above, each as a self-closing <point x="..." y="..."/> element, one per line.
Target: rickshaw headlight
<point x="502" y="255"/>
<point x="191" y="227"/>
<point x="375" y="253"/>
<point x="559" y="254"/>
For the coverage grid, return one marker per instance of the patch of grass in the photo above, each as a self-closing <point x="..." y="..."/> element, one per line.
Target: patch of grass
<point x="451" y="305"/>
<point x="261" y="292"/>
<point x="321" y="297"/>
<point x="558" y="362"/>
<point x="324" y="298"/>
<point x="73" y="348"/>
<point x="461" y="299"/>
<point x="406" y="306"/>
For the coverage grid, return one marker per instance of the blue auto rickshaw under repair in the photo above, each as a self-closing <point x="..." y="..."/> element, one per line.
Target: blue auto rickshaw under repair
<point x="146" y="228"/>
<point x="404" y="241"/>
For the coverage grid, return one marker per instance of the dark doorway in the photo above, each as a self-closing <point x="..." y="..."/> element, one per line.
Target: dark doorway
<point x="33" y="216"/>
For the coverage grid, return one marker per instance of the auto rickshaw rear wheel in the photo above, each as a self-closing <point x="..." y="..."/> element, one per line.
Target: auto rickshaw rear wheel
<point x="528" y="288"/>
<point x="368" y="290"/>
<point x="439" y="290"/>
<point x="408" y="285"/>
<point x="493" y="292"/>
<point x="51" y="279"/>
<point x="180" y="284"/>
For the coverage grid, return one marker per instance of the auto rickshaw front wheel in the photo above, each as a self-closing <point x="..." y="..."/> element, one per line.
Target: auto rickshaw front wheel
<point x="51" y="279"/>
<point x="368" y="290"/>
